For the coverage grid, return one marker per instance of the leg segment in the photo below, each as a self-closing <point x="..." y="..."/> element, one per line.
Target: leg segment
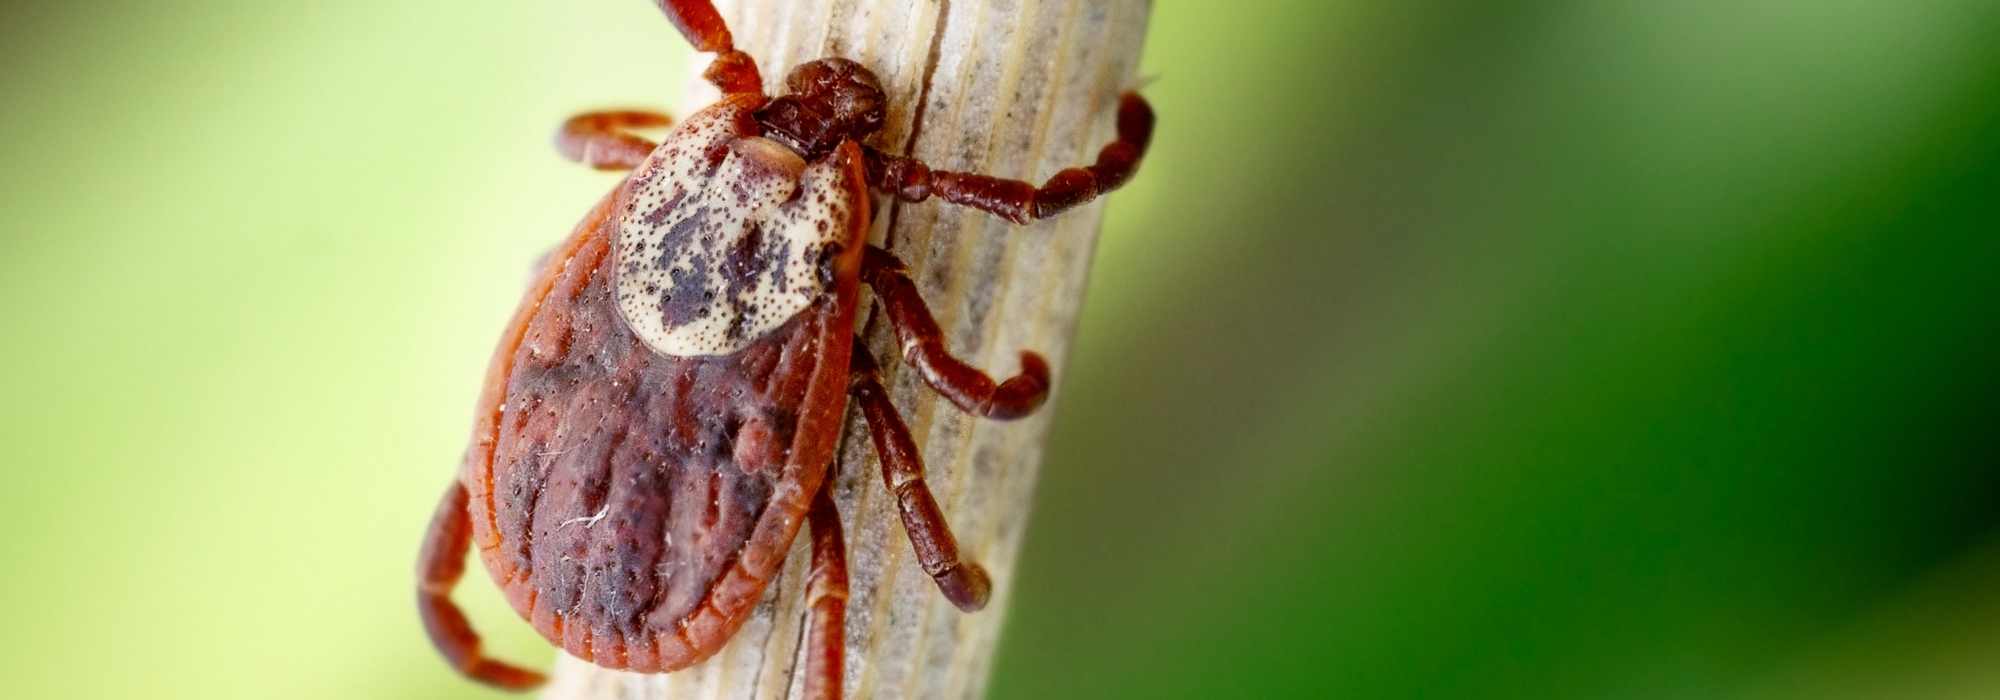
<point x="964" y="583"/>
<point x="826" y="598"/>
<point x="923" y="348"/>
<point x="438" y="570"/>
<point x="599" y="139"/>
<point x="1017" y="201"/>
<point x="733" y="71"/>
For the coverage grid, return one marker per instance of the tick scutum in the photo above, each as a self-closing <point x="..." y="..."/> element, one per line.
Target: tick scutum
<point x="624" y="494"/>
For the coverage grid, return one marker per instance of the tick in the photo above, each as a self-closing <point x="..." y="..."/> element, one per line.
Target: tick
<point x="661" y="414"/>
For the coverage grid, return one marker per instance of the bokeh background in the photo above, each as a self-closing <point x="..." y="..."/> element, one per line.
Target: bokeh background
<point x="1560" y="349"/>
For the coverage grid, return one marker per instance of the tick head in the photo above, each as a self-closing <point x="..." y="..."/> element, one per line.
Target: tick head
<point x="826" y="102"/>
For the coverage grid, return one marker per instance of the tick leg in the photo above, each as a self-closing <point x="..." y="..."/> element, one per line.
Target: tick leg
<point x="1015" y="200"/>
<point x="923" y="348"/>
<point x="964" y="583"/>
<point x="600" y="139"/>
<point x="438" y="570"/>
<point x="733" y="71"/>
<point x="826" y="598"/>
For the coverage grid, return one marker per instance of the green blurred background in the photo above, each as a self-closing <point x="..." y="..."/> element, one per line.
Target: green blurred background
<point x="1569" y="349"/>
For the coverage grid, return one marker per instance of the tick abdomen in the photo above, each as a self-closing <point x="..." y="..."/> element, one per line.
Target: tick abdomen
<point x="626" y="486"/>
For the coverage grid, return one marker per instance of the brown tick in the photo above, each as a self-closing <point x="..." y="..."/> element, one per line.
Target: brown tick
<point x="661" y="413"/>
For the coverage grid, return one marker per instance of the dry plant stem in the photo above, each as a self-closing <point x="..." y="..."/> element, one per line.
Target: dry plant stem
<point x="1018" y="88"/>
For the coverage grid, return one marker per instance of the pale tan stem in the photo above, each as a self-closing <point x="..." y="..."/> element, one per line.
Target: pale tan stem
<point x="1019" y="88"/>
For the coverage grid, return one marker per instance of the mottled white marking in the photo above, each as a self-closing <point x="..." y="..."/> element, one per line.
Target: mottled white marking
<point x="721" y="237"/>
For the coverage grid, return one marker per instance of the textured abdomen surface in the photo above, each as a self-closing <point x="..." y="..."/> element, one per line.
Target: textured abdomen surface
<point x="632" y="504"/>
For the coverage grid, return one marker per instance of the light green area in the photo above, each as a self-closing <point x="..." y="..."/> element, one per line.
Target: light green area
<point x="1579" y="349"/>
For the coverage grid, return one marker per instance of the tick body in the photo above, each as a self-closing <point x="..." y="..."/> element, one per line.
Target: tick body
<point x="659" y="419"/>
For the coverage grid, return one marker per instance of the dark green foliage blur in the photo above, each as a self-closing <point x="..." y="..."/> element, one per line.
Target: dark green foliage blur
<point x="1567" y="349"/>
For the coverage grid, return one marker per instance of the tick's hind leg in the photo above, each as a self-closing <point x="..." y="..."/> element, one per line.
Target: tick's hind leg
<point x="964" y="583"/>
<point x="733" y="71"/>
<point x="826" y="599"/>
<point x="923" y="348"/>
<point x="1016" y="200"/>
<point x="438" y="570"/>
<point x="600" y="139"/>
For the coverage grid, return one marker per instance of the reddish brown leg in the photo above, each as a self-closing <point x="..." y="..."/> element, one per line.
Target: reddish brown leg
<point x="733" y="71"/>
<point x="964" y="583"/>
<point x="599" y="139"/>
<point x="1020" y="202"/>
<point x="826" y="598"/>
<point x="923" y="348"/>
<point x="438" y="570"/>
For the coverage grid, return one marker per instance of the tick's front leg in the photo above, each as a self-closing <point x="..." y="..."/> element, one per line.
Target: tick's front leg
<point x="964" y="583"/>
<point x="923" y="348"/>
<point x="601" y="140"/>
<point x="826" y="598"/>
<point x="438" y="570"/>
<point x="732" y="71"/>
<point x="1018" y="201"/>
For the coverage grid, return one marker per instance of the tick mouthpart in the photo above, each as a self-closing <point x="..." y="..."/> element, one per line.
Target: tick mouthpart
<point x="827" y="101"/>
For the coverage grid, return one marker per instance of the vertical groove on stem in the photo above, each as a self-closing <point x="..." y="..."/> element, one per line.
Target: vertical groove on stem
<point x="1019" y="88"/>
